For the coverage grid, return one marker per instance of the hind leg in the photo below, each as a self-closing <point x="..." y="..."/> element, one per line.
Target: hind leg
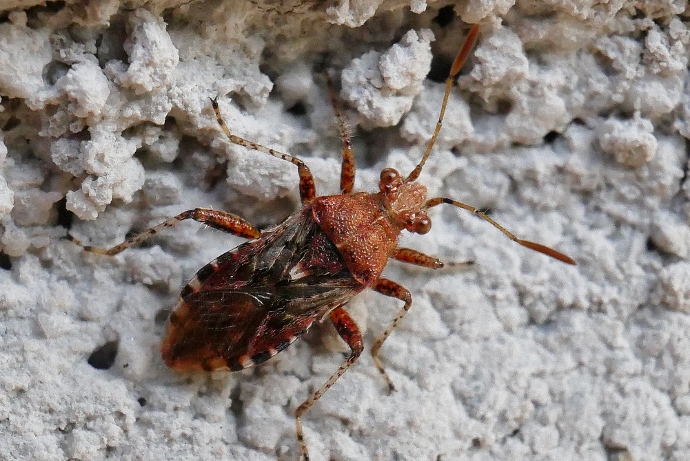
<point x="221" y="220"/>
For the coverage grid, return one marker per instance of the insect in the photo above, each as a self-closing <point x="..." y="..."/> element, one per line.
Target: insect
<point x="255" y="300"/>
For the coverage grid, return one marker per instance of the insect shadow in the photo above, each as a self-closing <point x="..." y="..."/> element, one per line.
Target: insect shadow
<point x="252" y="302"/>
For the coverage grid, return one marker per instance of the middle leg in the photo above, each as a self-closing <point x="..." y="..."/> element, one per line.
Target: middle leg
<point x="307" y="189"/>
<point x="348" y="330"/>
<point x="394" y="290"/>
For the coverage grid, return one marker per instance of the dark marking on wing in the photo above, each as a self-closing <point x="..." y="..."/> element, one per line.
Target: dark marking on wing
<point x="205" y="272"/>
<point x="187" y="290"/>
<point x="261" y="357"/>
<point x="254" y="301"/>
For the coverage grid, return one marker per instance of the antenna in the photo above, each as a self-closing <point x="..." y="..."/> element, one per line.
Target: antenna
<point x="454" y="70"/>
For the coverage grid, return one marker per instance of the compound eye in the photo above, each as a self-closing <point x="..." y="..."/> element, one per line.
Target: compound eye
<point x="389" y="175"/>
<point x="422" y="226"/>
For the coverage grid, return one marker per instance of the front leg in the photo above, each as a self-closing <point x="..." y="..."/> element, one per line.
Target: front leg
<point x="410" y="256"/>
<point x="347" y="168"/>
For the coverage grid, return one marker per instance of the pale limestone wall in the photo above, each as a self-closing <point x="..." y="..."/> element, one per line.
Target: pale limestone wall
<point x="570" y="122"/>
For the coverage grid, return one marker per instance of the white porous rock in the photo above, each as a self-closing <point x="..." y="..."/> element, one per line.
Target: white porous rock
<point x="382" y="86"/>
<point x="673" y="289"/>
<point x="152" y="55"/>
<point x="631" y="142"/>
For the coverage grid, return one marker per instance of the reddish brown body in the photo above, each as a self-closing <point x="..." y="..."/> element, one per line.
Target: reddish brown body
<point x="254" y="301"/>
<point x="365" y="227"/>
<point x="360" y="229"/>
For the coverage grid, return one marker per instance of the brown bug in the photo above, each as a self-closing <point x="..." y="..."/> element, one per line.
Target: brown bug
<point x="254" y="301"/>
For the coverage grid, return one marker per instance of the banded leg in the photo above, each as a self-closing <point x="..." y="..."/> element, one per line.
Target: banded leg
<point x="394" y="290"/>
<point x="410" y="256"/>
<point x="347" y="170"/>
<point x="221" y="220"/>
<point x="348" y="330"/>
<point x="307" y="189"/>
<point x="525" y="243"/>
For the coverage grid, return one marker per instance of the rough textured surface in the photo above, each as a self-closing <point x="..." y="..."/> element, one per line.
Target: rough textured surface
<point x="570" y="122"/>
